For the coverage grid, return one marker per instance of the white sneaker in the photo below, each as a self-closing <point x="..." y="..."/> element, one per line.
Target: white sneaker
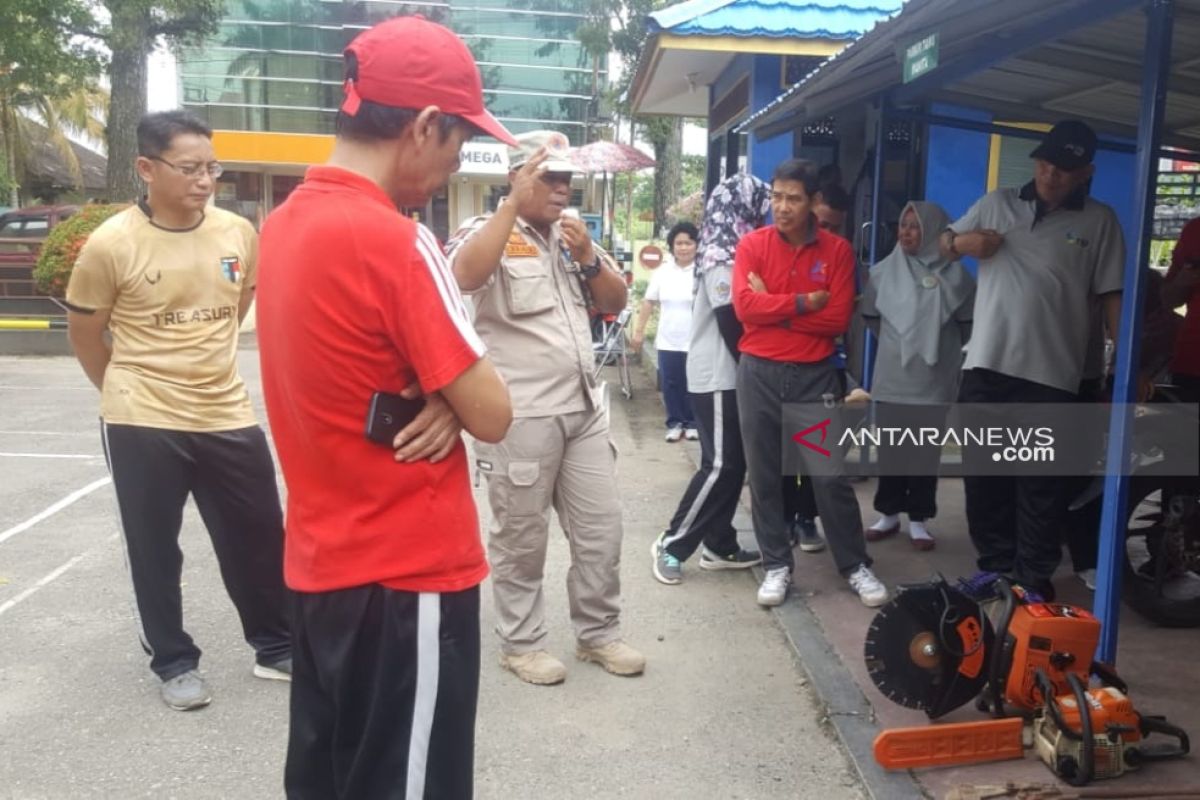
<point x="674" y="434"/>
<point x="691" y="434"/>
<point x="1088" y="576"/>
<point x="774" y="588"/>
<point x="868" y="588"/>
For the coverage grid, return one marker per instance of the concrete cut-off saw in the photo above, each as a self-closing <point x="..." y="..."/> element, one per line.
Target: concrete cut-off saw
<point x="934" y="648"/>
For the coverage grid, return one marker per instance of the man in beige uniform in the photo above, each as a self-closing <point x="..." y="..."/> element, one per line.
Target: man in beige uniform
<point x="170" y="278"/>
<point x="532" y="273"/>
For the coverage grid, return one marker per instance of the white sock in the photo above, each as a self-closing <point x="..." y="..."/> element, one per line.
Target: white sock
<point x="886" y="521"/>
<point x="917" y="530"/>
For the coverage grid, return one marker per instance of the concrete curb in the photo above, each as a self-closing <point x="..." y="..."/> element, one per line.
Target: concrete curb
<point x="846" y="707"/>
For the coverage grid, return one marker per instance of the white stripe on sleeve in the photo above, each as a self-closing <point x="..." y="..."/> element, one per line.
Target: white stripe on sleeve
<point x="443" y="278"/>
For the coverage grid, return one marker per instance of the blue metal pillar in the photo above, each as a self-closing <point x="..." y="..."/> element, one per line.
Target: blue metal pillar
<point x="868" y="354"/>
<point x="1156" y="67"/>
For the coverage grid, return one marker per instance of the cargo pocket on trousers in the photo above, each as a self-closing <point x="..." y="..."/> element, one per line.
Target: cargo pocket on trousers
<point x="525" y="492"/>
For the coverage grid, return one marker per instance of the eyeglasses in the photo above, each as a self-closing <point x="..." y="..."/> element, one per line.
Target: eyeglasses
<point x="212" y="168"/>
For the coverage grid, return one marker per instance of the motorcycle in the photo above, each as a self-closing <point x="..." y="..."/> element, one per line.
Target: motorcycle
<point x="1161" y="552"/>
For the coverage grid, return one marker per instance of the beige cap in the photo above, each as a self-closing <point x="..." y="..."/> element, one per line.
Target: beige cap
<point x="556" y="145"/>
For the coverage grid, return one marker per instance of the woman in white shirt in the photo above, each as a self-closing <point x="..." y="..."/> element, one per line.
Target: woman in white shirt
<point x="671" y="288"/>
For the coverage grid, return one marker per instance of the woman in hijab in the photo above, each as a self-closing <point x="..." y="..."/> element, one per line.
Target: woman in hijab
<point x="919" y="304"/>
<point x="704" y="518"/>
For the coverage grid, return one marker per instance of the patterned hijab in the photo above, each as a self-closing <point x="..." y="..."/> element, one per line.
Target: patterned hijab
<point x="737" y="205"/>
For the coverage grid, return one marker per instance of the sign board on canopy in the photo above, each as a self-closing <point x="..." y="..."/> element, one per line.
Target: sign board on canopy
<point x="920" y="57"/>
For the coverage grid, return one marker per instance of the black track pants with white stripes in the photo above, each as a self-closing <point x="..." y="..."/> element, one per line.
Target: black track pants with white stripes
<point x="384" y="689"/>
<point x="232" y="479"/>
<point x="705" y="514"/>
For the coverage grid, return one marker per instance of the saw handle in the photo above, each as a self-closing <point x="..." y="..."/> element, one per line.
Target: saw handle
<point x="1087" y="756"/>
<point x="1159" y="725"/>
<point x="1001" y="660"/>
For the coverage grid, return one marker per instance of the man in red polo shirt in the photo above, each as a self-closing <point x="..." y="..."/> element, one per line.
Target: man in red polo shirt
<point x="1182" y="287"/>
<point x="382" y="542"/>
<point x="793" y="290"/>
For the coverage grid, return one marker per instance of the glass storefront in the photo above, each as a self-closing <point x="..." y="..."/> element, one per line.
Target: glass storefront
<point x="276" y="65"/>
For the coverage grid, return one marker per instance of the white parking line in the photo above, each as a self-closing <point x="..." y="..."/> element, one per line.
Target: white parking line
<point x="45" y="433"/>
<point x="51" y="455"/>
<point x="7" y="605"/>
<point x="54" y="509"/>
<point x="53" y="576"/>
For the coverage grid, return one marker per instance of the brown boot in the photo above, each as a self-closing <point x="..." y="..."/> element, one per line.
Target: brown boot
<point x="537" y="667"/>
<point x="616" y="657"/>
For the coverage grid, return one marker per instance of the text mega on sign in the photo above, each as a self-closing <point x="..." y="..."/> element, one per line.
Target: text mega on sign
<point x="483" y="158"/>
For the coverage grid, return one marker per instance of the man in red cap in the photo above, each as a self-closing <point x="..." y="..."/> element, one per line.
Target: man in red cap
<point x="382" y="542"/>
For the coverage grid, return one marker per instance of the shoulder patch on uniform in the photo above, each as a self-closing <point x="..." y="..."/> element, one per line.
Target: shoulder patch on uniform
<point x="722" y="290"/>
<point x="519" y="247"/>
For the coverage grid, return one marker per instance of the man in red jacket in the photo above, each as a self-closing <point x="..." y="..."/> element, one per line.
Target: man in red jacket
<point x="793" y="290"/>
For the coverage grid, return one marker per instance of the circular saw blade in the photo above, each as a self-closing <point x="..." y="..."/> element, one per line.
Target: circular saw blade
<point x="926" y="649"/>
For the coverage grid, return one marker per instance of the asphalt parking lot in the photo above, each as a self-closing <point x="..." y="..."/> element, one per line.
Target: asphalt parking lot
<point x="723" y="711"/>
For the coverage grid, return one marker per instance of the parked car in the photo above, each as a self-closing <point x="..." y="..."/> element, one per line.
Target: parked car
<point x="33" y="222"/>
<point x="23" y="229"/>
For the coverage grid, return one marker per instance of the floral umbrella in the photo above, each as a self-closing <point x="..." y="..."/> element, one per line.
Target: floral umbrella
<point x="609" y="157"/>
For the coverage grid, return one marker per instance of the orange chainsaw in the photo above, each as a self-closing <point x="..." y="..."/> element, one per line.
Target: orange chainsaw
<point x="933" y="648"/>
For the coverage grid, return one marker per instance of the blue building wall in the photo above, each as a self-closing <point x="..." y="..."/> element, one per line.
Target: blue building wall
<point x="956" y="162"/>
<point x="765" y="73"/>
<point x="765" y="155"/>
<point x="741" y="65"/>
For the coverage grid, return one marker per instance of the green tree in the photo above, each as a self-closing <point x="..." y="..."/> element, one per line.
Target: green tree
<point x="42" y="62"/>
<point x="628" y="37"/>
<point x="131" y="32"/>
<point x="54" y="114"/>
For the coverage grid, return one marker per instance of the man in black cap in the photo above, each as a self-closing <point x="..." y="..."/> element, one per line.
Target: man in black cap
<point x="1049" y="256"/>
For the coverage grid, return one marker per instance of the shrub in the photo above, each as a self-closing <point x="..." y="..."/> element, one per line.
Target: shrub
<point x="62" y="246"/>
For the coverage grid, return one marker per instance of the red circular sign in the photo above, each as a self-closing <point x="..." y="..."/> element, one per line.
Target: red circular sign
<point x="650" y="256"/>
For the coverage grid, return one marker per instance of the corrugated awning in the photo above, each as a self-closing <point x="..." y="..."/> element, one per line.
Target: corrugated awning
<point x="692" y="43"/>
<point x="1023" y="60"/>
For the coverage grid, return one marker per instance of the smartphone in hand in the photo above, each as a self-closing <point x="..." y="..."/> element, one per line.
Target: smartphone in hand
<point x="388" y="414"/>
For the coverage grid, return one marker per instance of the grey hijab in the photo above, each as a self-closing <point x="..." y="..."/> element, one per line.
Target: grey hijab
<point x="919" y="294"/>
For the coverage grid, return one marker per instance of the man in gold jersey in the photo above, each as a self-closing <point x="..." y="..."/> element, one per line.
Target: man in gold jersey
<point x="171" y="279"/>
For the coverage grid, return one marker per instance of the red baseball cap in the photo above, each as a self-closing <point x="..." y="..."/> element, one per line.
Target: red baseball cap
<point x="410" y="62"/>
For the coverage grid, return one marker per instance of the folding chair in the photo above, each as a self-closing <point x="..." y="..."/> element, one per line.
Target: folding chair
<point x="613" y="348"/>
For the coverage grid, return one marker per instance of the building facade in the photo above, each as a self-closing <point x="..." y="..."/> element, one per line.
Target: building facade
<point x="269" y="82"/>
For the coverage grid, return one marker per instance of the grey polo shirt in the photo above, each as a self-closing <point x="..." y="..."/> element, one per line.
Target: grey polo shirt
<point x="710" y="365"/>
<point x="1035" y="295"/>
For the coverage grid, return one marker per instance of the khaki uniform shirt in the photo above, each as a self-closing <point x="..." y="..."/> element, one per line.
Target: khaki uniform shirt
<point x="173" y="298"/>
<point x="533" y="315"/>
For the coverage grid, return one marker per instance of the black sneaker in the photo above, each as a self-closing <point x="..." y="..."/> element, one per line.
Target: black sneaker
<point x="804" y="535"/>
<point x="742" y="559"/>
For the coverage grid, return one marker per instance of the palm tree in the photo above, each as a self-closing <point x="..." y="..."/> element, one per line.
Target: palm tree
<point x="80" y="110"/>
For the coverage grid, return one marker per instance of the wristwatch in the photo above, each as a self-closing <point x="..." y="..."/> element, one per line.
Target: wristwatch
<point x="953" y="240"/>
<point x="591" y="271"/>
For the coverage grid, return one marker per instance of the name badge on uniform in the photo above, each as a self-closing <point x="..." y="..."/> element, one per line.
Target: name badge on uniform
<point x="519" y="247"/>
